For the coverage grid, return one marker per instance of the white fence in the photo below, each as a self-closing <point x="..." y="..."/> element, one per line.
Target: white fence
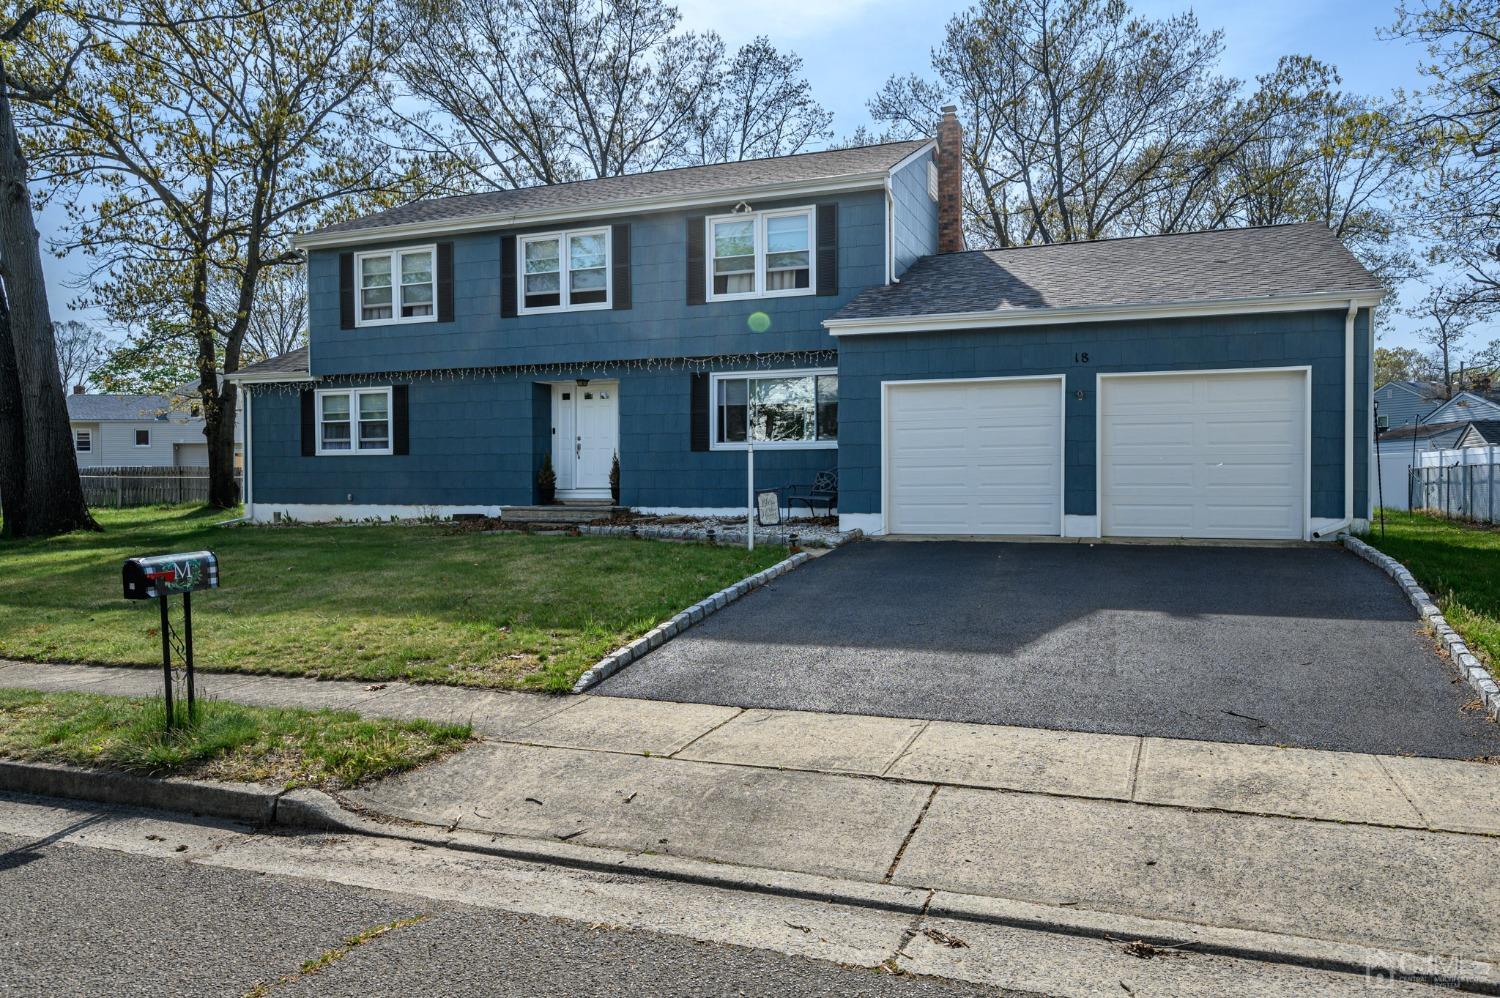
<point x="1460" y="483"/>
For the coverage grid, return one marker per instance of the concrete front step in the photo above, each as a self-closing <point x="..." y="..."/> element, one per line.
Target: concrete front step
<point x="561" y="514"/>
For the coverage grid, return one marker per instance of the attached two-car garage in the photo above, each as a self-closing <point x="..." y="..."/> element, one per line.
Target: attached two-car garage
<point x="1185" y="454"/>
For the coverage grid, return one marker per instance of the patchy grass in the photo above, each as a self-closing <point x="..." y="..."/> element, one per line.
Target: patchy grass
<point x="419" y="603"/>
<point x="1459" y="564"/>
<point x="288" y="747"/>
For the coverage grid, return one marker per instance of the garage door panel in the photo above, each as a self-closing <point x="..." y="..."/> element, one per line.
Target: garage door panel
<point x="975" y="457"/>
<point x="1232" y="464"/>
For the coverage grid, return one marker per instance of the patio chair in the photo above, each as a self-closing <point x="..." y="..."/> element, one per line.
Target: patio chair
<point x="824" y="491"/>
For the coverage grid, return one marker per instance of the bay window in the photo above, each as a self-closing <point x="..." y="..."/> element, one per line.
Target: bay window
<point x="564" y="270"/>
<point x="760" y="254"/>
<point x="396" y="286"/>
<point x="787" y="409"/>
<point x="354" y="420"/>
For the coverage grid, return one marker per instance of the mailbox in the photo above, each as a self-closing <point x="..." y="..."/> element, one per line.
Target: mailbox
<point x="167" y="574"/>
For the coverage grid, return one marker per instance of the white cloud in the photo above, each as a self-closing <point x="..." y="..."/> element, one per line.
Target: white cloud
<point x="784" y="21"/>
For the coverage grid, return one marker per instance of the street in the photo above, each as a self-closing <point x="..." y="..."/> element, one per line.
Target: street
<point x="104" y="900"/>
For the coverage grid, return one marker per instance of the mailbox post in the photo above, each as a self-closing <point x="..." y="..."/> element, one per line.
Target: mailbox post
<point x="158" y="577"/>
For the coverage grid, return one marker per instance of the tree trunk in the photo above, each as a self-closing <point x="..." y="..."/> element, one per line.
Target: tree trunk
<point x="223" y="491"/>
<point x="53" y="494"/>
<point x="12" y="439"/>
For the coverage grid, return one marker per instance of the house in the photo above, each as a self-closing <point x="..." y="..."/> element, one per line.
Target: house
<point x="135" y="431"/>
<point x="1467" y="406"/>
<point x="1480" y="433"/>
<point x="1401" y="403"/>
<point x="822" y="308"/>
<point x="1402" y="449"/>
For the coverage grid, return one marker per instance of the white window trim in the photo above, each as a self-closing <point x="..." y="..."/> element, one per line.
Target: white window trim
<point x="713" y="403"/>
<point x="565" y="276"/>
<point x="136" y="436"/>
<point x="396" y="318"/>
<point x="81" y="435"/>
<point x="760" y="218"/>
<point x="354" y="450"/>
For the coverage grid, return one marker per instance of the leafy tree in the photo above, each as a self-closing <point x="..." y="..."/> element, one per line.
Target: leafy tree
<point x="40" y="491"/>
<point x="1402" y="364"/>
<point x="81" y="349"/>
<point x="157" y="360"/>
<point x="1458" y="135"/>
<point x="217" y="129"/>
<point x="525" y="92"/>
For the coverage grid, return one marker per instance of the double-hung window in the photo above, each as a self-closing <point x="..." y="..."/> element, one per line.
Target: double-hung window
<point x="564" y="270"/>
<point x="354" y="421"/>
<point x="761" y="254"/>
<point x="396" y="286"/>
<point x="792" y="409"/>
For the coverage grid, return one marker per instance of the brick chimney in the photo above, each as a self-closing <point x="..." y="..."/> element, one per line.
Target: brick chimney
<point x="950" y="182"/>
<point x="78" y="389"/>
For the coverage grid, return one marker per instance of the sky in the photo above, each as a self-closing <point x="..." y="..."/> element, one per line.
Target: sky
<point x="850" y="47"/>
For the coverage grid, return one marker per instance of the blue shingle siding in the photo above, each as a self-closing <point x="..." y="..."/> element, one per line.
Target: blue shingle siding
<point x="1315" y="339"/>
<point x="479" y="441"/>
<point x="1402" y="406"/>
<point x="660" y="323"/>
<point x="914" y="214"/>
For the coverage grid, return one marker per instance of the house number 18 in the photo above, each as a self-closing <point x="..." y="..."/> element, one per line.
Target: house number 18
<point x="1080" y="358"/>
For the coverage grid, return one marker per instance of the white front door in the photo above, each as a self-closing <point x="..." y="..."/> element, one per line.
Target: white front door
<point x="585" y="436"/>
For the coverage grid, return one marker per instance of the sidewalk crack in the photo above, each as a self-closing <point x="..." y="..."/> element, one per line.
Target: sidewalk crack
<point x="892" y="963"/>
<point x="1396" y="782"/>
<point x="1135" y="767"/>
<point x="909" y="835"/>
<point x="907" y="747"/>
<point x="697" y="738"/>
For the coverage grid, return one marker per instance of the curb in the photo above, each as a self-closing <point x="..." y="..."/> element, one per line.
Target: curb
<point x="664" y="632"/>
<point x="1465" y="660"/>
<point x="309" y="810"/>
<point x="727" y="536"/>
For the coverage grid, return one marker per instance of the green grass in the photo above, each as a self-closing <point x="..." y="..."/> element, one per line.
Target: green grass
<point x="289" y="747"/>
<point x="1459" y="564"/>
<point x="420" y="603"/>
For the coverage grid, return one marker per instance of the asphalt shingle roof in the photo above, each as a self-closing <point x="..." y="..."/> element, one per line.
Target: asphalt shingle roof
<point x="292" y="362"/>
<point x="113" y="408"/>
<point x="1147" y="270"/>
<point x="1488" y="430"/>
<point x="685" y="182"/>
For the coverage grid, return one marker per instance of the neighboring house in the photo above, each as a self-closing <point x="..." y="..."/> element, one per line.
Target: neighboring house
<point x="1467" y="406"/>
<point x="1401" y="403"/>
<point x="1205" y="385"/>
<point x="1482" y="433"/>
<point x="135" y="431"/>
<point x="1401" y="450"/>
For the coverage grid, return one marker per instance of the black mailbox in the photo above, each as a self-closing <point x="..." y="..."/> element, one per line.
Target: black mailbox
<point x="166" y="574"/>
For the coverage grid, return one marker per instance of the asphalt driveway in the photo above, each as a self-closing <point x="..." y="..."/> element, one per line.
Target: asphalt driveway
<point x="1305" y="646"/>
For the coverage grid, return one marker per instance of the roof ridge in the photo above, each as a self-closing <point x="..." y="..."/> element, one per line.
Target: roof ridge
<point x="1138" y="236"/>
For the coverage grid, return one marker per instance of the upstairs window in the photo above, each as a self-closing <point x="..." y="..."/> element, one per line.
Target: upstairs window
<point x="761" y="254"/>
<point x="564" y="270"/>
<point x="791" y="409"/>
<point x="354" y="421"/>
<point x="397" y="286"/>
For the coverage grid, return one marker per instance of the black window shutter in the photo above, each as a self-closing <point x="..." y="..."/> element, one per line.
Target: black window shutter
<point x="309" y="424"/>
<point x="619" y="258"/>
<point x="700" y="408"/>
<point x="400" y="420"/>
<point x="696" y="292"/>
<point x="445" y="282"/>
<point x="346" y="290"/>
<point x="507" y="277"/>
<point x="828" y="249"/>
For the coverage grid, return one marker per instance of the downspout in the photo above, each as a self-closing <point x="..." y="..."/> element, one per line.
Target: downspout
<point x="1348" y="521"/>
<point x="890" y="233"/>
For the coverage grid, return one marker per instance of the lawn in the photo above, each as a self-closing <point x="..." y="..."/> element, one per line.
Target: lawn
<point x="288" y="747"/>
<point x="420" y="603"/>
<point x="1459" y="564"/>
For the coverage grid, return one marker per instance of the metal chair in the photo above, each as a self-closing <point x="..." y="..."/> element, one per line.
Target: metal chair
<point x="824" y="491"/>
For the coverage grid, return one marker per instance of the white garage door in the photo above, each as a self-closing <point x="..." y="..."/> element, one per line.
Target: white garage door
<point x="982" y="457"/>
<point x="1203" y="455"/>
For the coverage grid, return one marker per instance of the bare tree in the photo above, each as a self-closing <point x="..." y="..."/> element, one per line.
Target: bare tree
<point x="762" y="106"/>
<point x="278" y="316"/>
<point x="219" y="128"/>
<point x="1447" y="313"/>
<point x="81" y="350"/>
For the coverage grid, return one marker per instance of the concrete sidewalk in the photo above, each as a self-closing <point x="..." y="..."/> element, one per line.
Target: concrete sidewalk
<point x="1351" y="849"/>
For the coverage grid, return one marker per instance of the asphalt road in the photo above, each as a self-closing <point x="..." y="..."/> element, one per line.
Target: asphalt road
<point x="82" y="921"/>
<point x="1306" y="646"/>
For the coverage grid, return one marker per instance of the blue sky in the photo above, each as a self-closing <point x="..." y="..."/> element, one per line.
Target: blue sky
<point x="850" y="46"/>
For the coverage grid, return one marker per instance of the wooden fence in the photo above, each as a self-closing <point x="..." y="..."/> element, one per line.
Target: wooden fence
<point x="128" y="486"/>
